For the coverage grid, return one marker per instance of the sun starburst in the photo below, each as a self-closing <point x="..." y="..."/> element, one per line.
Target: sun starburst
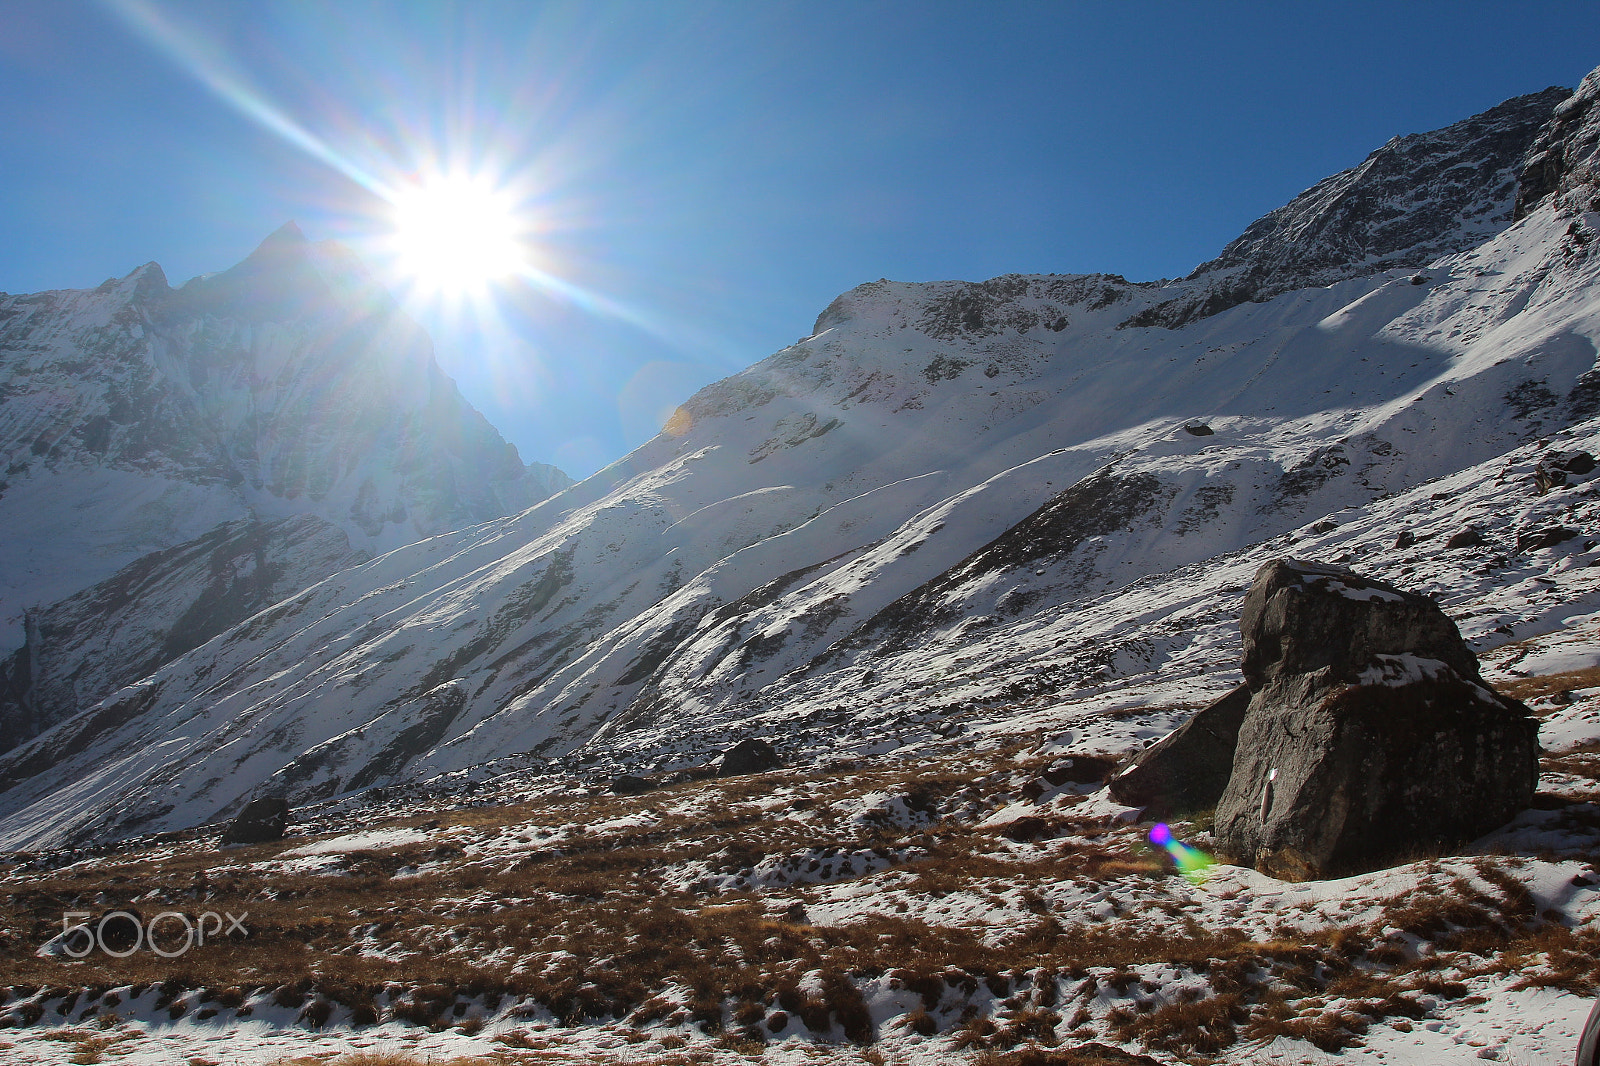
<point x="455" y="235"/>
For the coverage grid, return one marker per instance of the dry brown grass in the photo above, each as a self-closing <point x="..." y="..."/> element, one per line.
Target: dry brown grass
<point x="1531" y="688"/>
<point x="630" y="932"/>
<point x="1204" y="1025"/>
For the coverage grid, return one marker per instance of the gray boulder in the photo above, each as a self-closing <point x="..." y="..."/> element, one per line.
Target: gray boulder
<point x="630" y="785"/>
<point x="750" y="756"/>
<point x="1370" y="737"/>
<point x="261" y="821"/>
<point x="1302" y="617"/>
<point x="1186" y="771"/>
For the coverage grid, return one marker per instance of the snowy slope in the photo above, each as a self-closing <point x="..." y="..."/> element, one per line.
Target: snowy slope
<point x="941" y="482"/>
<point x="134" y="417"/>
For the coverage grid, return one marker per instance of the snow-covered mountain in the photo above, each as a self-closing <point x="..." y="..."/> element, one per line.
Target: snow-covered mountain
<point x="135" y="417"/>
<point x="911" y="510"/>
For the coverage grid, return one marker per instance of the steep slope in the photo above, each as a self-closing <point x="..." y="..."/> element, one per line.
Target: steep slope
<point x="938" y="474"/>
<point x="134" y="417"/>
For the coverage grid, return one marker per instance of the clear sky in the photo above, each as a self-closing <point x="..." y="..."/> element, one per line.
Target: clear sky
<point x="700" y="179"/>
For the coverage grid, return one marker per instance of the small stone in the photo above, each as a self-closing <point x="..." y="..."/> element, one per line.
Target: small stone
<point x="1548" y="537"/>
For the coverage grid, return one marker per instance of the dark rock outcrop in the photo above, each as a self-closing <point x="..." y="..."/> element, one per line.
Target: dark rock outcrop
<point x="750" y="756"/>
<point x="88" y="646"/>
<point x="1578" y="463"/>
<point x="1370" y="737"/>
<point x="261" y="821"/>
<point x="1567" y="149"/>
<point x="1188" y="770"/>
<point x="1545" y="537"/>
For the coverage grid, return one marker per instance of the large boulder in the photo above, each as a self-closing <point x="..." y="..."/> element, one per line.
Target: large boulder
<point x="1370" y="737"/>
<point x="261" y="821"/>
<point x="751" y="756"/>
<point x="1302" y="617"/>
<point x="1186" y="772"/>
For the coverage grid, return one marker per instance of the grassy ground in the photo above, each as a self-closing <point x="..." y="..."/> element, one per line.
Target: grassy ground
<point x="748" y="908"/>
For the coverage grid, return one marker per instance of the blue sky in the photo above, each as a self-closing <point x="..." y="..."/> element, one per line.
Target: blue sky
<point x="706" y="176"/>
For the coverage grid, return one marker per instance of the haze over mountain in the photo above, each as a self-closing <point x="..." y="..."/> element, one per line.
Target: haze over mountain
<point x="287" y="395"/>
<point x="949" y="495"/>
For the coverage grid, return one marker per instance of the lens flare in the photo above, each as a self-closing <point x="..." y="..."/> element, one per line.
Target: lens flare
<point x="1192" y="863"/>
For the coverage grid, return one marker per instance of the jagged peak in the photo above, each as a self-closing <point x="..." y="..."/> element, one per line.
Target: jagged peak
<point x="1566" y="153"/>
<point x="287" y="235"/>
<point x="1412" y="200"/>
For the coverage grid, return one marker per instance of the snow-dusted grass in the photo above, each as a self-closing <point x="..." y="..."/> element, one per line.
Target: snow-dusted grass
<point x="958" y="903"/>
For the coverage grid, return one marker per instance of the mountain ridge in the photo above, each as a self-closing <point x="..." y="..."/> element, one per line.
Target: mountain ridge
<point x="290" y="383"/>
<point x="939" y="475"/>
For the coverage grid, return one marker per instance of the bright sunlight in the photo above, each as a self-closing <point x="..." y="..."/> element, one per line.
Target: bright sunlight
<point x="456" y="235"/>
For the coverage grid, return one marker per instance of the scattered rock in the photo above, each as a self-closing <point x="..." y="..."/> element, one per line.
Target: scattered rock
<point x="1029" y="828"/>
<point x="1187" y="771"/>
<point x="1370" y="737"/>
<point x="1546" y="477"/>
<point x="1405" y="540"/>
<point x="1579" y="463"/>
<point x="1078" y="769"/>
<point x="1199" y="429"/>
<point x="1548" y="537"/>
<point x="750" y="756"/>
<point x="262" y="820"/>
<point x="1469" y="537"/>
<point x="629" y="785"/>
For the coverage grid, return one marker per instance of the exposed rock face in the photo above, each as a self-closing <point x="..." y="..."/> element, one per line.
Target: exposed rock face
<point x="112" y="634"/>
<point x="1187" y="770"/>
<point x="261" y="821"/>
<point x="1566" y="151"/>
<point x="1370" y="736"/>
<point x="1416" y="198"/>
<point x="750" y="756"/>
<point x="1301" y="618"/>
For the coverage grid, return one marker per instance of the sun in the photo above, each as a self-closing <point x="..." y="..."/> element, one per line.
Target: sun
<point x="455" y="235"/>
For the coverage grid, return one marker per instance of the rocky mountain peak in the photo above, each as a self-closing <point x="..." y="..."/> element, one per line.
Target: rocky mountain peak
<point x="1566" y="153"/>
<point x="1416" y="198"/>
<point x="289" y="384"/>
